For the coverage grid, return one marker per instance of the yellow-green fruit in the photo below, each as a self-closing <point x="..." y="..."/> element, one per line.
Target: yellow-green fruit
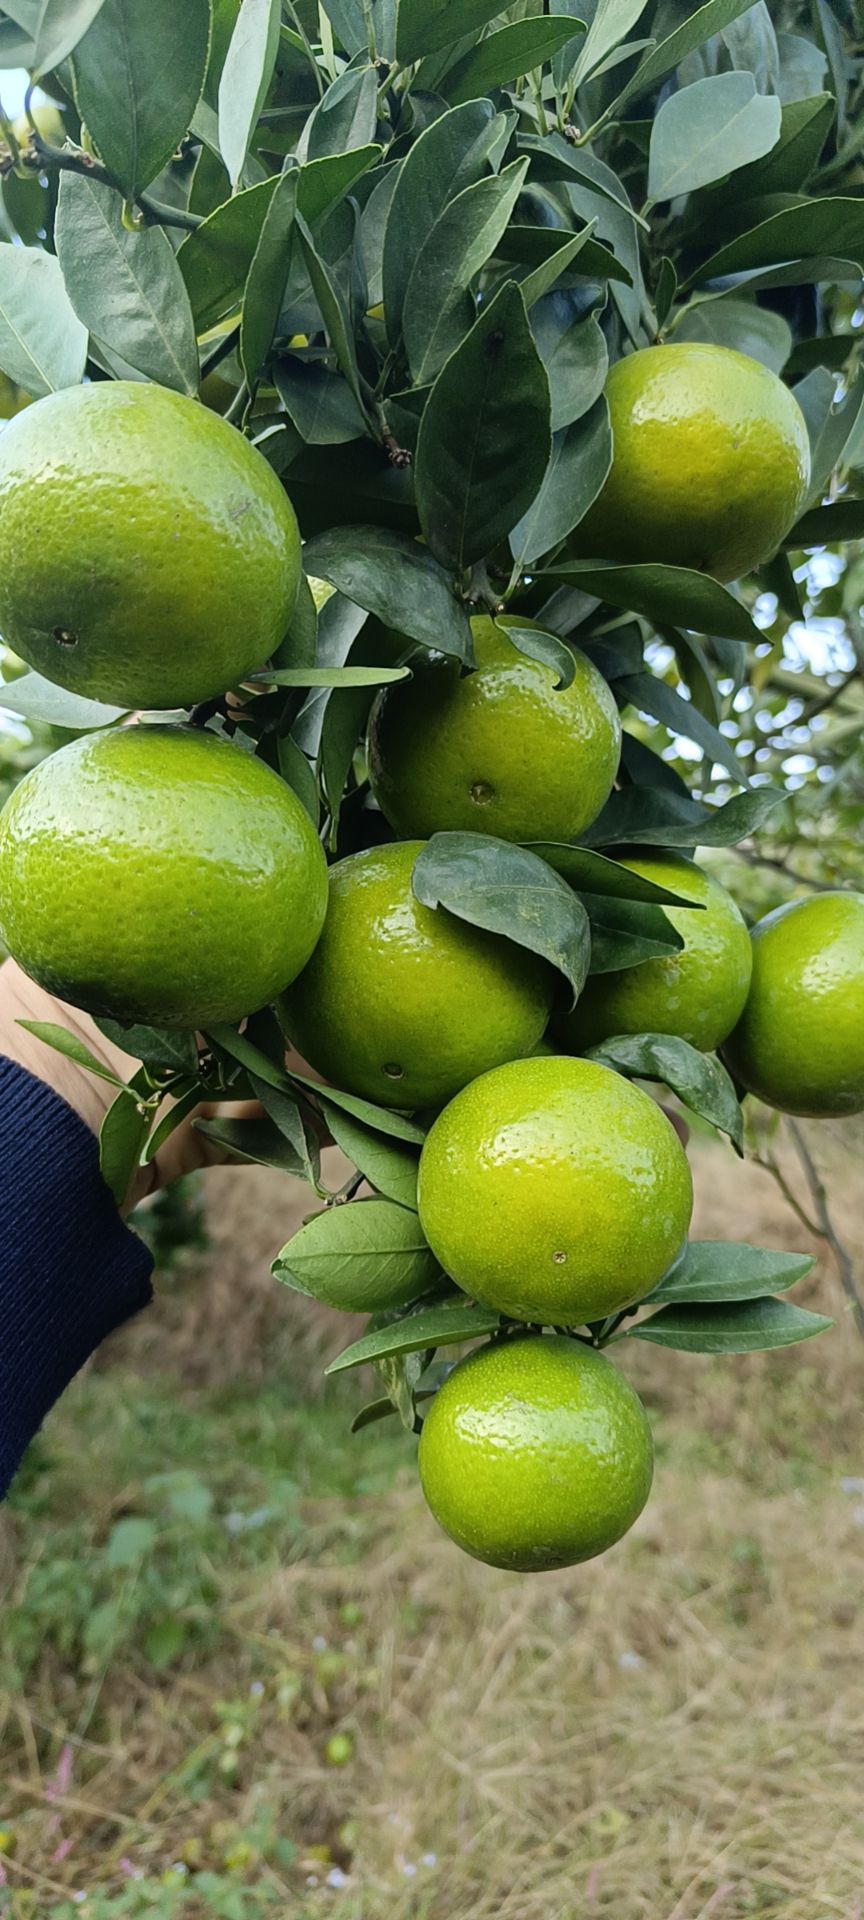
<point x="158" y="874"/>
<point x="405" y="1004"/>
<point x="49" y="122"/>
<point x="697" y="993"/>
<point x="555" y="1191"/>
<point x="173" y="561"/>
<point x="536" y="1453"/>
<point x="800" y="1041"/>
<point x="500" y="750"/>
<point x="711" y="462"/>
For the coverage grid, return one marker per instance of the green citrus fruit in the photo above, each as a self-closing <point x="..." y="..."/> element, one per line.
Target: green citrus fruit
<point x="159" y="874"/>
<point x="555" y="1191"/>
<point x="405" y="1004"/>
<point x="536" y="1453"/>
<point x="174" y="558"/>
<point x="800" y="1041"/>
<point x="711" y="461"/>
<point x="49" y="122"/>
<point x="697" y="993"/>
<point x="500" y="750"/>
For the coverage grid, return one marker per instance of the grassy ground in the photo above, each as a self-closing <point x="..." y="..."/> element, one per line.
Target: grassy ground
<point x="243" y="1675"/>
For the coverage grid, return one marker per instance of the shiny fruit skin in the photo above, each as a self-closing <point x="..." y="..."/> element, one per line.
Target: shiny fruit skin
<point x="536" y="1453"/>
<point x="799" y="1043"/>
<point x="158" y="874"/>
<point x="173" y="561"/>
<point x="697" y="993"/>
<point x="555" y="1191"/>
<point x="395" y="985"/>
<point x="500" y="750"/>
<point x="711" y="462"/>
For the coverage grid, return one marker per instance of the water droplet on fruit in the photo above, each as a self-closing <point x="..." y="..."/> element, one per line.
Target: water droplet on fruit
<point x="393" y="1070"/>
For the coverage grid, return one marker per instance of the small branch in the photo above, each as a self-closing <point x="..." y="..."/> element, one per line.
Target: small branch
<point x="753" y="859"/>
<point x="768" y="1164"/>
<point x="75" y="160"/>
<point x="827" y="1229"/>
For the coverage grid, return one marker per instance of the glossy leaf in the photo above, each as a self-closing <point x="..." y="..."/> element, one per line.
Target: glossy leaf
<point x="753" y="1326"/>
<point x="362" y="1258"/>
<point x="595" y="873"/>
<point x="515" y="49"/>
<point x="651" y="695"/>
<point x="395" y="1125"/>
<point x="657" y="817"/>
<point x="347" y="116"/>
<point x="267" y="277"/>
<point x="438" y="306"/>
<point x="710" y="1270"/>
<point x="547" y="648"/>
<point x="39" y="699"/>
<point x="324" y="182"/>
<point x="825" y="526"/>
<point x="162" y="1050"/>
<point x="427" y="26"/>
<point x="485" y="439"/>
<point x="810" y="227"/>
<point x="550" y="271"/>
<point x="445" y="1324"/>
<point x="216" y="258"/>
<point x="626" y="933"/>
<point x="145" y="317"/>
<point x="256" y="1142"/>
<point x="395" y="579"/>
<point x="139" y="71"/>
<point x="508" y="891"/>
<point x="705" y="131"/>
<point x="578" y="464"/>
<point x="672" y="596"/>
<point x="448" y="157"/>
<point x="576" y="361"/>
<point x="334" y="309"/>
<point x="388" y="1165"/>
<point x="245" y="79"/>
<point x="43" y="344"/>
<point x="697" y="1078"/>
<point x="71" y="1047"/>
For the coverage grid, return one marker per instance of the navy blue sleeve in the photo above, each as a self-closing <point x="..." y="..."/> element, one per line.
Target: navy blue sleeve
<point x="70" y="1271"/>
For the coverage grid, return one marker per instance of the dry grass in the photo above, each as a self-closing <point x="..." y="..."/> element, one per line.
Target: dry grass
<point x="674" y="1732"/>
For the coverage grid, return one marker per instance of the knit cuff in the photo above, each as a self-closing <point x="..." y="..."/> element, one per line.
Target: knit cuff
<point x="70" y="1270"/>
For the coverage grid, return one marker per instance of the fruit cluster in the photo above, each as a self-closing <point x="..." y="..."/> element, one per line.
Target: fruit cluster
<point x="156" y="873"/>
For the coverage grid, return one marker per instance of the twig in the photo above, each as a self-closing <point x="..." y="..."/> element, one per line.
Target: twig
<point x="827" y="1229"/>
<point x="768" y="1164"/>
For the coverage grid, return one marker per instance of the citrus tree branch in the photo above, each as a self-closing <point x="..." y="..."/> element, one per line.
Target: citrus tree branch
<point x="827" y="1228"/>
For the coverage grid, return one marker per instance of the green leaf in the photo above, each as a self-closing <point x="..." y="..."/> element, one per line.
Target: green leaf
<point x="591" y="872"/>
<point x="610" y="25"/>
<point x="216" y="258"/>
<point x="829" y="424"/>
<point x="438" y="306"/>
<point x="334" y="310"/>
<point x="508" y="891"/>
<point x="446" y="158"/>
<point x="397" y="580"/>
<point x="388" y="1166"/>
<point x="43" y="345"/>
<point x="74" y="1049"/>
<point x="324" y="182"/>
<point x="578" y="464"/>
<point x="822" y="527"/>
<point x="670" y="596"/>
<point x="545" y="647"/>
<point x="533" y="246"/>
<point x="710" y="1270"/>
<point x="809" y="227"/>
<point x="754" y="1326"/>
<point x="550" y="271"/>
<point x="245" y="80"/>
<point x="446" y="1324"/>
<point x="125" y="285"/>
<point x="162" y="1050"/>
<point x="624" y="933"/>
<point x="697" y="1078"/>
<point x="267" y="278"/>
<point x="553" y="159"/>
<point x="653" y="815"/>
<point x="332" y="676"/>
<point x="575" y="357"/>
<point x="362" y="1258"/>
<point x="705" y="131"/>
<point x="256" y="1142"/>
<point x="504" y="55"/>
<point x="485" y="439"/>
<point x="282" y="1106"/>
<point x="347" y="115"/>
<point x="122" y="1138"/>
<point x="428" y="26"/>
<point x="55" y="28"/>
<point x="138" y="75"/>
<point x="650" y="695"/>
<point x="739" y="324"/>
<point x="699" y="24"/>
<point x="319" y="402"/>
<point x="185" y="1099"/>
<point x="380" y="1119"/>
<point x="39" y="699"/>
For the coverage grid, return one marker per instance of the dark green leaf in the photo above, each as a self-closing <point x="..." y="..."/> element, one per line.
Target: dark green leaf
<point x="446" y="1324"/>
<point x="638" y="815"/>
<point x="509" y="891"/>
<point x="73" y="1048"/>
<point x="347" y="115"/>
<point x="334" y="310"/>
<point x="829" y="425"/>
<point x="534" y="246"/>
<point x="215" y="259"/>
<point x="711" y="1270"/>
<point x="707" y="130"/>
<point x="446" y="158"/>
<point x="578" y="464"/>
<point x="267" y="278"/>
<point x="438" y="306"/>
<point x="398" y="581"/>
<point x="362" y="1258"/>
<point x="324" y="182"/>
<point x="122" y="1138"/>
<point x="739" y="324"/>
<point x="808" y="227"/>
<point x="804" y="128"/>
<point x="138" y="76"/>
<point x="395" y="1125"/>
<point x="319" y="402"/>
<point x="576" y="361"/>
<point x="245" y="80"/>
<point x="624" y="933"/>
<point x="43" y="345"/>
<point x="751" y="1327"/>
<point x="427" y="26"/>
<point x="652" y="696"/>
<point x="697" y="1078"/>
<point x="672" y="596"/>
<point x="282" y="1106"/>
<point x="162" y="1050"/>
<point x="594" y="873"/>
<point x="697" y="26"/>
<point x="185" y="1099"/>
<point x="39" y="699"/>
<point x="511" y="51"/>
<point x="388" y="1166"/>
<point x="666" y="289"/>
<point x="55" y="28"/>
<point x="125" y="285"/>
<point x="547" y="648"/>
<point x="826" y="526"/>
<point x="550" y="271"/>
<point x="485" y="439"/>
<point x="257" y="1142"/>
